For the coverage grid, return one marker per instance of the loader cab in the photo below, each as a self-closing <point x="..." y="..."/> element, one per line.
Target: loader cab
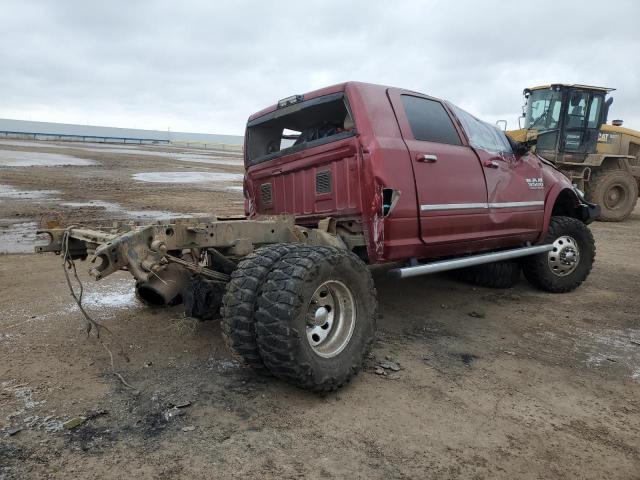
<point x="567" y="119"/>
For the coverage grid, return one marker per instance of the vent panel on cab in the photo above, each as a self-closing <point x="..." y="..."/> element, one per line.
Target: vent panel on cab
<point x="323" y="182"/>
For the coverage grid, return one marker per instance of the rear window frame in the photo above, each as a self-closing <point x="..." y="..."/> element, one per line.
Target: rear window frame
<point x="288" y="110"/>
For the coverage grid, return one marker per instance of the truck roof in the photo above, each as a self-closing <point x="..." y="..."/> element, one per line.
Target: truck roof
<point x="339" y="87"/>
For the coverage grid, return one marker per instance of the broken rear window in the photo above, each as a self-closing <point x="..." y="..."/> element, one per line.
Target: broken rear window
<point x="299" y="126"/>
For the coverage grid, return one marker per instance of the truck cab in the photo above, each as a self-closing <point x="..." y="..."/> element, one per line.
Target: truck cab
<point x="402" y="175"/>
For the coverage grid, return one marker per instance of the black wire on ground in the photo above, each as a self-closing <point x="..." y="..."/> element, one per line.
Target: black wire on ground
<point x="68" y="264"/>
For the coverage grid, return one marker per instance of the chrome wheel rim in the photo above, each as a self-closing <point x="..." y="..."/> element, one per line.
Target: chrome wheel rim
<point x="331" y="318"/>
<point x="564" y="257"/>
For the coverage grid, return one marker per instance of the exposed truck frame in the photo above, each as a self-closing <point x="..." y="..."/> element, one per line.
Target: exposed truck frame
<point x="356" y="185"/>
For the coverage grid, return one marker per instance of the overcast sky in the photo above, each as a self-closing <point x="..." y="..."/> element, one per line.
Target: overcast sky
<point x="204" y="66"/>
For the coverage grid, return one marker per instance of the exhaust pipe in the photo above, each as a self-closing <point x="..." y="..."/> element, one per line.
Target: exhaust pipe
<point x="444" y="265"/>
<point x="165" y="288"/>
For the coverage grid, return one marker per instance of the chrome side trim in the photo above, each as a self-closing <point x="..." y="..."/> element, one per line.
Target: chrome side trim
<point x="452" y="206"/>
<point x="516" y="204"/>
<point x="464" y="206"/>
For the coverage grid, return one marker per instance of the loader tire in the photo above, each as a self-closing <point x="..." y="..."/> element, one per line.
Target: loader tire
<point x="503" y="274"/>
<point x="239" y="302"/>
<point x="316" y="317"/>
<point x="568" y="265"/>
<point x="616" y="191"/>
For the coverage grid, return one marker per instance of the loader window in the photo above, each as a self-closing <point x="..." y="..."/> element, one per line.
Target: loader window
<point x="299" y="126"/>
<point x="594" y="111"/>
<point x="577" y="110"/>
<point x="543" y="109"/>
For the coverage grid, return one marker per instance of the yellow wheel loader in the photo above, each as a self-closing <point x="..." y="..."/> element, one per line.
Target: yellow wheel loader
<point x="568" y="124"/>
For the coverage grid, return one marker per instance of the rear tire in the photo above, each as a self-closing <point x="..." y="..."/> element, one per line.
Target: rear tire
<point x="569" y="264"/>
<point x="616" y="191"/>
<point x="316" y="317"/>
<point x="503" y="274"/>
<point x="239" y="302"/>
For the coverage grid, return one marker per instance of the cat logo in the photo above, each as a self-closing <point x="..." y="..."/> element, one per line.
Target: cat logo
<point x="606" y="137"/>
<point x="535" y="183"/>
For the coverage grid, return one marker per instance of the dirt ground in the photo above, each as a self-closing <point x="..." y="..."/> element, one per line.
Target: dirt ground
<point x="493" y="383"/>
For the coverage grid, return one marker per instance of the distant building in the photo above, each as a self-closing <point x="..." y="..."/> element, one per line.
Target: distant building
<point x="89" y="133"/>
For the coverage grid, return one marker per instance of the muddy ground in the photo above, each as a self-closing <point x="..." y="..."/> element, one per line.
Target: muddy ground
<point x="493" y="383"/>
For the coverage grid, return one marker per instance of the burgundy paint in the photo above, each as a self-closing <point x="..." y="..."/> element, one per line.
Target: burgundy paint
<point x="383" y="155"/>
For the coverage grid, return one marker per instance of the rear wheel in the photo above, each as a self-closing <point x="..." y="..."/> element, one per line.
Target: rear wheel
<point x="566" y="266"/>
<point x="316" y="317"/>
<point x="616" y="191"/>
<point x="239" y="302"/>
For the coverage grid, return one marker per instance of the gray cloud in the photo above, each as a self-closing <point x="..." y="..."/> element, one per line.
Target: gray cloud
<point x="205" y="66"/>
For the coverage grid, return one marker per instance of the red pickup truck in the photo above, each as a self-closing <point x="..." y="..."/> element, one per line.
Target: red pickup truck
<point x="336" y="179"/>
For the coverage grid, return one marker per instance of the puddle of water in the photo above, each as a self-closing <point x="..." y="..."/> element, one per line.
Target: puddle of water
<point x="211" y="156"/>
<point x="7" y="191"/>
<point x="11" y="158"/>
<point x="113" y="207"/>
<point x="17" y="237"/>
<point x="187" y="177"/>
<point x="182" y="157"/>
<point x="186" y="157"/>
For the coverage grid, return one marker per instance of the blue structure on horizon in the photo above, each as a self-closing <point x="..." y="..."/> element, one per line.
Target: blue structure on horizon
<point x="28" y="129"/>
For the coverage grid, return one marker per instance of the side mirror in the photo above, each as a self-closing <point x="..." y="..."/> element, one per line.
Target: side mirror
<point x="522" y="141"/>
<point x="503" y="123"/>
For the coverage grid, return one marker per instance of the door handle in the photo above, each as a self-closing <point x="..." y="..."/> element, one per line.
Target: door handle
<point x="426" y="158"/>
<point x="491" y="164"/>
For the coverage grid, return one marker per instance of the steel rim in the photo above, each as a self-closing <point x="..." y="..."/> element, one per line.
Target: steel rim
<point x="331" y="318"/>
<point x="615" y="196"/>
<point x="565" y="256"/>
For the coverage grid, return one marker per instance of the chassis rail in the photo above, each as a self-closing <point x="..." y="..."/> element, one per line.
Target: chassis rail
<point x="147" y="250"/>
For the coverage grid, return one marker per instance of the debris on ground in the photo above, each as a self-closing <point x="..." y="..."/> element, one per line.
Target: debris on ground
<point x="190" y="428"/>
<point x="73" y="423"/>
<point x="172" y="413"/>
<point x="389" y="365"/>
<point x="474" y="314"/>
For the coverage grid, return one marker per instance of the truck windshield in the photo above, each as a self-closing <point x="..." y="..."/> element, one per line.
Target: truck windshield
<point x="298" y="126"/>
<point x="543" y="109"/>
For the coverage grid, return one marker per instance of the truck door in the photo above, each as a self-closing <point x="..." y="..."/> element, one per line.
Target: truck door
<point x="515" y="187"/>
<point x="450" y="184"/>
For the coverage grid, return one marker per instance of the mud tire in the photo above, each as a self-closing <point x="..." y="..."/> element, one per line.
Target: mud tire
<point x="504" y="274"/>
<point x="281" y="318"/>
<point x="600" y="186"/>
<point x="536" y="268"/>
<point x="239" y="302"/>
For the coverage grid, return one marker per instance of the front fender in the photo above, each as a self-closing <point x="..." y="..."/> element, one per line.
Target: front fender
<point x="569" y="201"/>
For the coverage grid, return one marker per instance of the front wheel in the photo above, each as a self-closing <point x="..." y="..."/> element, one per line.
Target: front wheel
<point x="565" y="267"/>
<point x="316" y="317"/>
